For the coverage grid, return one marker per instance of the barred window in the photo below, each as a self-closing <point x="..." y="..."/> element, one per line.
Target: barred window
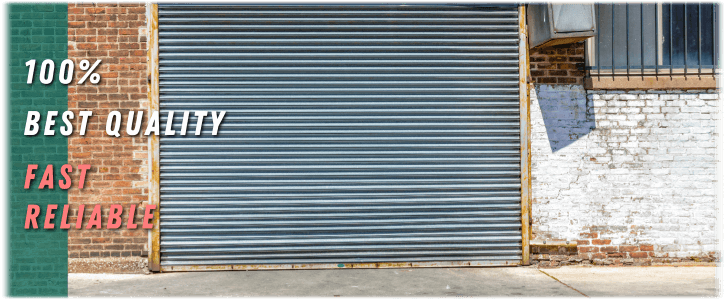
<point x="654" y="39"/>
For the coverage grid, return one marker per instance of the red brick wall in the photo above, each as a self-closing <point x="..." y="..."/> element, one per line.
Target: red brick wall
<point x="115" y="34"/>
<point x="558" y="64"/>
<point x="594" y="249"/>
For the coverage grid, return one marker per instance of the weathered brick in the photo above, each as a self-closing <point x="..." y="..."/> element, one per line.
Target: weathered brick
<point x="609" y="249"/>
<point x="646" y="247"/>
<point x="581" y="249"/>
<point x="557" y="64"/>
<point x="76" y="24"/>
<point x="599" y="256"/>
<point x="624" y="170"/>
<point x="106" y="184"/>
<point x="94" y="10"/>
<point x="638" y="254"/>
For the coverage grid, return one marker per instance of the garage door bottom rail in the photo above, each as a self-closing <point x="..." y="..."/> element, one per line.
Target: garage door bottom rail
<point x="317" y="266"/>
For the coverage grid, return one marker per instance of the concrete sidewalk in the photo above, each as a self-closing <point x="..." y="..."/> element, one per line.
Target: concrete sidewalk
<point x="506" y="281"/>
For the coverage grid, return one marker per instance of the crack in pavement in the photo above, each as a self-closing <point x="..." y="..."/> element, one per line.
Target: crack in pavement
<point x="565" y="284"/>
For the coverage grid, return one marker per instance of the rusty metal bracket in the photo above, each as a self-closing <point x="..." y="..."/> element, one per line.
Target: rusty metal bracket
<point x="152" y="22"/>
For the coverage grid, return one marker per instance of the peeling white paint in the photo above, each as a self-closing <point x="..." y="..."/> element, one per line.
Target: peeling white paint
<point x="637" y="167"/>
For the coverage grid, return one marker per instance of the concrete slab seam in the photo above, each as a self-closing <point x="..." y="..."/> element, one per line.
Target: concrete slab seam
<point x="565" y="284"/>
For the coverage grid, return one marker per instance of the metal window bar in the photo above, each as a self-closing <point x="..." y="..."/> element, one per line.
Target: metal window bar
<point x="669" y="21"/>
<point x="670" y="37"/>
<point x="656" y="37"/>
<point x="627" y="39"/>
<point x="685" y="38"/>
<point x="699" y="39"/>
<point x="642" y="41"/>
<point x="597" y="39"/>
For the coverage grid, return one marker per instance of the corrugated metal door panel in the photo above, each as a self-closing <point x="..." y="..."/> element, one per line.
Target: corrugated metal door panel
<point x="372" y="133"/>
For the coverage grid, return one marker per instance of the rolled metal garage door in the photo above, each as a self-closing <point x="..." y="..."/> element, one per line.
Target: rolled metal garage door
<point x="353" y="134"/>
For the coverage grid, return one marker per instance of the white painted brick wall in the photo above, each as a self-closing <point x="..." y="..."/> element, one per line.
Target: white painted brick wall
<point x="639" y="167"/>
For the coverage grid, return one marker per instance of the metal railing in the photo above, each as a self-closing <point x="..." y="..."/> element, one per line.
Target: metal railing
<point x="654" y="39"/>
